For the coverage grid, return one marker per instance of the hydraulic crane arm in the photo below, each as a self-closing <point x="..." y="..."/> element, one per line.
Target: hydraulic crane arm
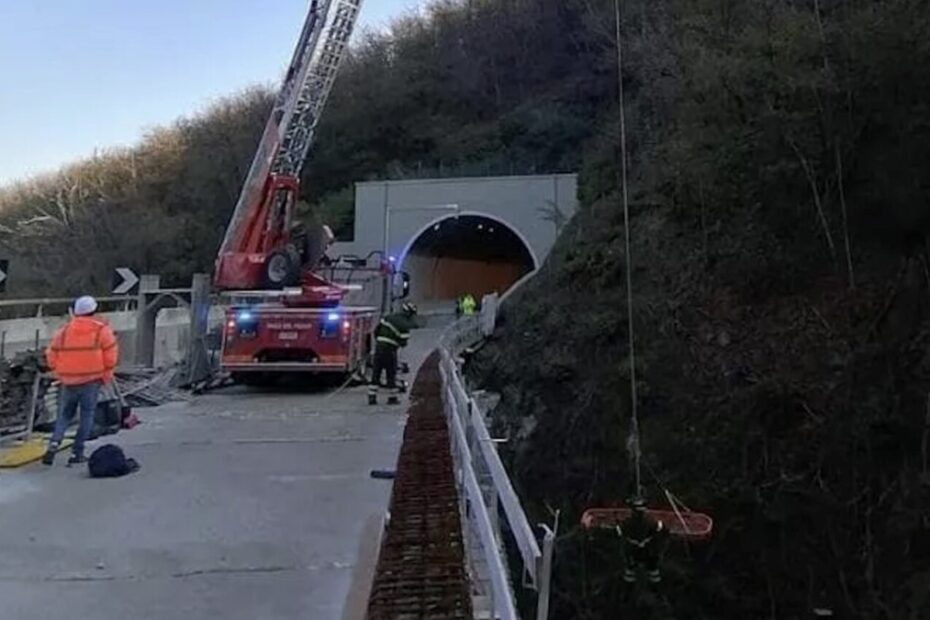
<point x="257" y="251"/>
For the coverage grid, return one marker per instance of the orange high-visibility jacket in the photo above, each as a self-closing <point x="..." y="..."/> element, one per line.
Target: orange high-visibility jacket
<point x="83" y="351"/>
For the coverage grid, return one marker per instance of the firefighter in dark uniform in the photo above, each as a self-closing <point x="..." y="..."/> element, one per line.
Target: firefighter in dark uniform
<point x="642" y="538"/>
<point x="392" y="334"/>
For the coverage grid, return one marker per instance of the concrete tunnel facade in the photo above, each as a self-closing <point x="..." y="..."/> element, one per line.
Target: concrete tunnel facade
<point x="477" y="235"/>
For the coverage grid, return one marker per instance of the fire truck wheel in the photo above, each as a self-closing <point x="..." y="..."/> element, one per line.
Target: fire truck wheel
<point x="281" y="270"/>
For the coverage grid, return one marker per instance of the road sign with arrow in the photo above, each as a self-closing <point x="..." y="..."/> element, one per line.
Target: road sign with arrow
<point x="125" y="281"/>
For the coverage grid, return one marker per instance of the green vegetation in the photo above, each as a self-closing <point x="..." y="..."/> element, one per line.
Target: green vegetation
<point x="160" y="207"/>
<point x="781" y="272"/>
<point x="779" y="151"/>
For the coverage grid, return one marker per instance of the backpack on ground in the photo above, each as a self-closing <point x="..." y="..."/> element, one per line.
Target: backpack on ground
<point x="109" y="461"/>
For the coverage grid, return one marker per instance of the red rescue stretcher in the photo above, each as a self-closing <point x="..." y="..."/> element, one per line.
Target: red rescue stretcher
<point x="681" y="524"/>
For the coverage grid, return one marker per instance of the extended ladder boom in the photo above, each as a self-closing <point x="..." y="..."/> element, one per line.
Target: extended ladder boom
<point x="316" y="84"/>
<point x="257" y="250"/>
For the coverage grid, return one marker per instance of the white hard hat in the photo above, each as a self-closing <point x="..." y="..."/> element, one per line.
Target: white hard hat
<point x="85" y="305"/>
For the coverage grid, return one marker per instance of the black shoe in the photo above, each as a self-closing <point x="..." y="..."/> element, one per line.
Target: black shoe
<point x="49" y="457"/>
<point x="76" y="459"/>
<point x="372" y="400"/>
<point x="393" y="400"/>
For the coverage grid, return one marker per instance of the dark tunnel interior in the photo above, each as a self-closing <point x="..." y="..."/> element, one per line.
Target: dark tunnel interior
<point x="465" y="254"/>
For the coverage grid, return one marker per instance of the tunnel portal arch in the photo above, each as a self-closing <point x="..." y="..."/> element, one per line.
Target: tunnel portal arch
<point x="466" y="252"/>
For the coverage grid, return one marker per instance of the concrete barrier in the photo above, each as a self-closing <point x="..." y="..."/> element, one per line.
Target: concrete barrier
<point x="172" y="333"/>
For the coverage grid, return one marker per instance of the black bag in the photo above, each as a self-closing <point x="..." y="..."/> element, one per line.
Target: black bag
<point x="109" y="461"/>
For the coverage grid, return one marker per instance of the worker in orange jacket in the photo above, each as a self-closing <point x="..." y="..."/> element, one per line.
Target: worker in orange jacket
<point x="83" y="355"/>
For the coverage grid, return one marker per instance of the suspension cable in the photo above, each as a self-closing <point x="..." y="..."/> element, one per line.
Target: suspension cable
<point x="633" y="441"/>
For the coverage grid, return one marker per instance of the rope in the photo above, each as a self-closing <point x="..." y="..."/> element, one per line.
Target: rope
<point x="352" y="377"/>
<point x="633" y="442"/>
<point x="674" y="505"/>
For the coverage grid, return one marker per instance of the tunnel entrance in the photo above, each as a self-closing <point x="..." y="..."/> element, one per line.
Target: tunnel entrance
<point x="465" y="254"/>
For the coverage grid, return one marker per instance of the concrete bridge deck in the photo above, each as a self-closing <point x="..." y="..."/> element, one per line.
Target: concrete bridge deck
<point x="249" y="505"/>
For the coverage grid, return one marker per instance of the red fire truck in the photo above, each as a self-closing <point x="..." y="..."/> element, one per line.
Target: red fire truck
<point x="284" y="314"/>
<point x="268" y="333"/>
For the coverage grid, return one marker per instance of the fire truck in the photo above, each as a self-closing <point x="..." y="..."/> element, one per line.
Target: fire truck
<point x="284" y="314"/>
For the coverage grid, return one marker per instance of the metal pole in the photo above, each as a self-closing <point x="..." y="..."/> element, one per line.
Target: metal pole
<point x="388" y="292"/>
<point x="33" y="402"/>
<point x="387" y="221"/>
<point x="545" y="571"/>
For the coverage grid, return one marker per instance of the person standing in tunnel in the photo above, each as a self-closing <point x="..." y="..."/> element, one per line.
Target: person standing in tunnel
<point x="391" y="335"/>
<point x="469" y="305"/>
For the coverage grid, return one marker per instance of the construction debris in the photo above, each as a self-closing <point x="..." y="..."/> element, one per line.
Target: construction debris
<point x="148" y="387"/>
<point x="140" y="387"/>
<point x="17" y="382"/>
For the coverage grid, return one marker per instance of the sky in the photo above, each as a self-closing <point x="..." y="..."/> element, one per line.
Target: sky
<point x="80" y="75"/>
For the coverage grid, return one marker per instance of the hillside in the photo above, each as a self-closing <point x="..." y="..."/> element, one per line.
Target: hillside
<point x="781" y="310"/>
<point x="778" y="158"/>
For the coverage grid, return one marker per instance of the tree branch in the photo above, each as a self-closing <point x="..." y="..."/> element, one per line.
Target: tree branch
<point x="815" y="192"/>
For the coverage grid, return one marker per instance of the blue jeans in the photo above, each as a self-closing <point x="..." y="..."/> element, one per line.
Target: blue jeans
<point x="70" y="398"/>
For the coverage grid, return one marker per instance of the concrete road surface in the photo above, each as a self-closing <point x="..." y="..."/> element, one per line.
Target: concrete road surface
<point x="249" y="505"/>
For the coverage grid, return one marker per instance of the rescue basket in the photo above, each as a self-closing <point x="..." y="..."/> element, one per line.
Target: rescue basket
<point x="681" y="524"/>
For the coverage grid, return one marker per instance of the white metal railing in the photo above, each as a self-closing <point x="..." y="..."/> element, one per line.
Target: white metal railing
<point x="475" y="456"/>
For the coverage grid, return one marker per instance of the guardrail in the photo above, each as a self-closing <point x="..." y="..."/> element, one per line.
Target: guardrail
<point x="61" y="304"/>
<point x="44" y="308"/>
<point x="475" y="456"/>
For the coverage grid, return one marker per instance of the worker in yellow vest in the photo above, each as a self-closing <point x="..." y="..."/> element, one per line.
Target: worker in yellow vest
<point x="469" y="305"/>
